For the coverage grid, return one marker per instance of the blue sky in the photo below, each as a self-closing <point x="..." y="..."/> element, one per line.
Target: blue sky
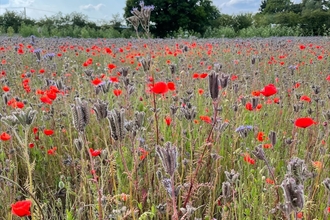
<point x="97" y="10"/>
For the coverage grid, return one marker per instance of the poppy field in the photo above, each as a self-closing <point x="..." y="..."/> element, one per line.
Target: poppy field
<point x="164" y="128"/>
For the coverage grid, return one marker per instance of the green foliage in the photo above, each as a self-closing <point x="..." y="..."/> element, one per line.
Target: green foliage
<point x="289" y="19"/>
<point x="170" y="15"/>
<point x="312" y="16"/>
<point x="275" y="6"/>
<point x="242" y="21"/>
<point x="10" y="31"/>
<point x="314" y="22"/>
<point x="84" y="33"/>
<point x="227" y="32"/>
<point x="11" y="19"/>
<point x="28" y="30"/>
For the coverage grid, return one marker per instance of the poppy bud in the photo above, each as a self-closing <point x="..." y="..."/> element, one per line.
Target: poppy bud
<point x="214" y="85"/>
<point x="255" y="102"/>
<point x="272" y="137"/>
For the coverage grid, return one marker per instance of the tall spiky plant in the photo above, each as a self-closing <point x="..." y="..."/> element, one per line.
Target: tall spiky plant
<point x="23" y="119"/>
<point x="81" y="117"/>
<point x="168" y="156"/>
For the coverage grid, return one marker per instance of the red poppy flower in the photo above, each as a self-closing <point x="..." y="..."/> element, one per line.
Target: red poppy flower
<point x="305" y="98"/>
<point x="200" y="91"/>
<point x="270" y="181"/>
<point x="4" y="136"/>
<point x="41" y="71"/>
<point x="248" y="159"/>
<point x="300" y="215"/>
<point x="168" y="120"/>
<point x="45" y="99"/>
<point x="248" y="106"/>
<point x="21" y="208"/>
<point x="160" y="88"/>
<point x="207" y="119"/>
<point x="107" y="50"/>
<point x="144" y="153"/>
<point x="50" y="94"/>
<point x="203" y="75"/>
<point x="114" y="79"/>
<point x="171" y="86"/>
<point x="19" y="105"/>
<point x="96" y="81"/>
<point x="94" y="153"/>
<point x="267" y="146"/>
<point x="52" y="151"/>
<point x="48" y="132"/>
<point x="20" y="51"/>
<point x="117" y="92"/>
<point x="5" y="89"/>
<point x="195" y="75"/>
<point x="261" y="136"/>
<point x="111" y="66"/>
<point x="54" y="89"/>
<point x="35" y="130"/>
<point x="304" y="122"/>
<point x="256" y="93"/>
<point x="233" y="77"/>
<point x="269" y="90"/>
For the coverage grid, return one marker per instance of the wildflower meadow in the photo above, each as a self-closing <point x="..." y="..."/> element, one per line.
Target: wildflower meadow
<point x="164" y="128"/>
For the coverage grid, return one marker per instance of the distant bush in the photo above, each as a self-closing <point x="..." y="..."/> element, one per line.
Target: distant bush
<point x="227" y="32"/>
<point x="28" y="30"/>
<point x="10" y="31"/>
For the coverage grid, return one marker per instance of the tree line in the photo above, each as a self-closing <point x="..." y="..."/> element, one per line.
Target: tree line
<point x="173" y="18"/>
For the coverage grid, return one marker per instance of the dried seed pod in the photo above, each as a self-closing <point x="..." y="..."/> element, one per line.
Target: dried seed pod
<point x="293" y="193"/>
<point x="259" y="153"/>
<point x="272" y="137"/>
<point x="224" y="80"/>
<point x="101" y="109"/>
<point x="80" y="114"/>
<point x="168" y="156"/>
<point x="214" y="85"/>
<point x="117" y="121"/>
<point x="326" y="183"/>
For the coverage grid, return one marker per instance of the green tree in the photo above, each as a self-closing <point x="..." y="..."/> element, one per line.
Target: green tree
<point x="11" y="19"/>
<point x="78" y="19"/>
<point x="169" y="15"/>
<point x="275" y="6"/>
<point x="312" y="5"/>
<point x="315" y="22"/>
<point x="242" y="21"/>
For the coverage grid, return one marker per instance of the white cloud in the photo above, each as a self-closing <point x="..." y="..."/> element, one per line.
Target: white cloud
<point x="237" y="6"/>
<point x="20" y="3"/>
<point x="92" y="7"/>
